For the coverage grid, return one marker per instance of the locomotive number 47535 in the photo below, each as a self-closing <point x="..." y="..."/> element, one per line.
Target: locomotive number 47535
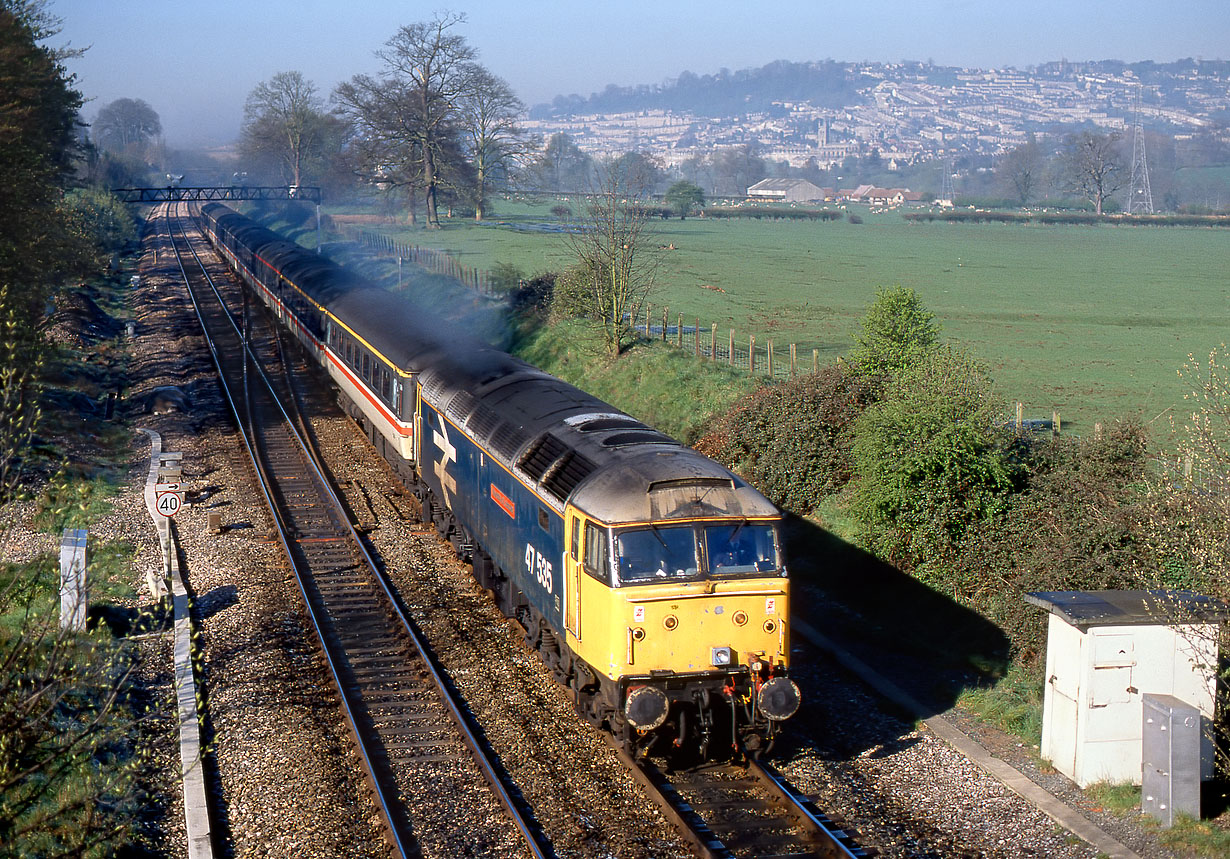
<point x="538" y="566"/>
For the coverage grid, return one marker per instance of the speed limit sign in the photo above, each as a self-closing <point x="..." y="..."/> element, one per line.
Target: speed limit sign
<point x="167" y="499"/>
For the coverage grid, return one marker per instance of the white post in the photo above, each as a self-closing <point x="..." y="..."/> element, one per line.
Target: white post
<point x="72" y="579"/>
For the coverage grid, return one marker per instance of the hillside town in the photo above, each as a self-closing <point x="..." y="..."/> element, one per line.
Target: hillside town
<point x="912" y="112"/>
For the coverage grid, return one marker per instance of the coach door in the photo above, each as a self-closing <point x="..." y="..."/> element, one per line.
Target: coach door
<point x="572" y="576"/>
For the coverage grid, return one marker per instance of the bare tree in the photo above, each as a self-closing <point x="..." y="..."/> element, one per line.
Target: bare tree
<point x="489" y="113"/>
<point x="1092" y="166"/>
<point x="126" y="125"/>
<point x="1021" y="170"/>
<point x="562" y="166"/>
<point x="412" y="106"/>
<point x="385" y="148"/>
<point x="736" y="168"/>
<point x="616" y="259"/>
<point x="284" y="119"/>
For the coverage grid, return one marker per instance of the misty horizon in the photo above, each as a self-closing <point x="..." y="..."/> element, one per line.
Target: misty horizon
<point x="196" y="70"/>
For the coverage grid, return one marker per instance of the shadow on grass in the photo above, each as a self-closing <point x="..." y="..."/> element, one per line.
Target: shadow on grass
<point x="922" y="641"/>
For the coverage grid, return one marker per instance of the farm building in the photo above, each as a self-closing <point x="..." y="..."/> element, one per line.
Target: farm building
<point x="786" y="190"/>
<point x="881" y="196"/>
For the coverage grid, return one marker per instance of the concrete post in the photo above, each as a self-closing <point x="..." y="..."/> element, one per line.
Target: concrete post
<point x="72" y="579"/>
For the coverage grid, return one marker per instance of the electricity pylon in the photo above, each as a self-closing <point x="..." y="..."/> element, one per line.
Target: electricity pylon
<point x="1140" y="198"/>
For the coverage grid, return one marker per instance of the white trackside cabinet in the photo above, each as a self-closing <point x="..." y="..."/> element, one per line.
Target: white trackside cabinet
<point x="1105" y="650"/>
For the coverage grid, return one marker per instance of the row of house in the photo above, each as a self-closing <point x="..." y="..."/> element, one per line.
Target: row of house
<point x="802" y="191"/>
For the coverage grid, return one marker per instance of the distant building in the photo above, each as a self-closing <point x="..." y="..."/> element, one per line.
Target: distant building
<point x="786" y="190"/>
<point x="881" y="196"/>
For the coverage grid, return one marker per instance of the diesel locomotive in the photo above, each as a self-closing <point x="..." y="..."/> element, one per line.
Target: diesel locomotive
<point x="649" y="578"/>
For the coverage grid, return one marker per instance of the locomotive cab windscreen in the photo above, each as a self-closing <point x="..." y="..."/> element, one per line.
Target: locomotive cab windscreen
<point x="708" y="550"/>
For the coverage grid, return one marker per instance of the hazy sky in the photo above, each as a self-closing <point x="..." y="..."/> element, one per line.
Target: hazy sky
<point x="195" y="62"/>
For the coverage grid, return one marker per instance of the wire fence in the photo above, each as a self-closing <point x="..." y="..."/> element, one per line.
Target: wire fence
<point x="756" y="356"/>
<point x="435" y="261"/>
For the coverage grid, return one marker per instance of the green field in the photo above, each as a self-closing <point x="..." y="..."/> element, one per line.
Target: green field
<point x="1090" y="321"/>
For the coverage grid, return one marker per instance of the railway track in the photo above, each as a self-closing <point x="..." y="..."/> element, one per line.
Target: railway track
<point x="408" y="728"/>
<point x="742" y="810"/>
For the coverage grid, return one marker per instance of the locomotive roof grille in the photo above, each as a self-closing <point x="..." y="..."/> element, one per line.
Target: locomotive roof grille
<point x="506" y="439"/>
<point x="483" y="421"/>
<point x="541" y="455"/>
<point x="434" y="387"/>
<point x="567" y="474"/>
<point x="460" y="406"/>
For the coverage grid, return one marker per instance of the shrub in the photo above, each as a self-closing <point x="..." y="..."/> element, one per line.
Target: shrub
<point x="929" y="465"/>
<point x="506" y="276"/>
<point x="792" y="439"/>
<point x="897" y="332"/>
<point x="1075" y="524"/>
<point x="534" y="296"/>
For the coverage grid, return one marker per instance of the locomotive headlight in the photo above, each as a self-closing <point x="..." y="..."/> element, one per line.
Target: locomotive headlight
<point x="719" y="657"/>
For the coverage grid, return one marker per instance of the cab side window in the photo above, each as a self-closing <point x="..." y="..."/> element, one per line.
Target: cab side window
<point x="596" y="553"/>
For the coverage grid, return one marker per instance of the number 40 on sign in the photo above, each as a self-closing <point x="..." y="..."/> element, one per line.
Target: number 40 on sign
<point x="167" y="499"/>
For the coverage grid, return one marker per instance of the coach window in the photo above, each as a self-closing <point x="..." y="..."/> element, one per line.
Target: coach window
<point x="595" y="553"/>
<point x="367" y="367"/>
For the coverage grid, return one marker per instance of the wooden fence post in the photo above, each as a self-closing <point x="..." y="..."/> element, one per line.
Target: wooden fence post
<point x="647" y="308"/>
<point x="713" y="342"/>
<point x="1020" y="416"/>
<point x="730" y="349"/>
<point x="815" y="360"/>
<point x="679" y="332"/>
<point x="751" y="355"/>
<point x="1055" y="424"/>
<point x="697" y="332"/>
<point x="794" y="360"/>
<point x="665" y="314"/>
<point x="770" y="356"/>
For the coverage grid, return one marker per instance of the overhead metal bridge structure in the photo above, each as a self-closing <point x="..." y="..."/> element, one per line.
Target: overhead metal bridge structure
<point x="172" y="193"/>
